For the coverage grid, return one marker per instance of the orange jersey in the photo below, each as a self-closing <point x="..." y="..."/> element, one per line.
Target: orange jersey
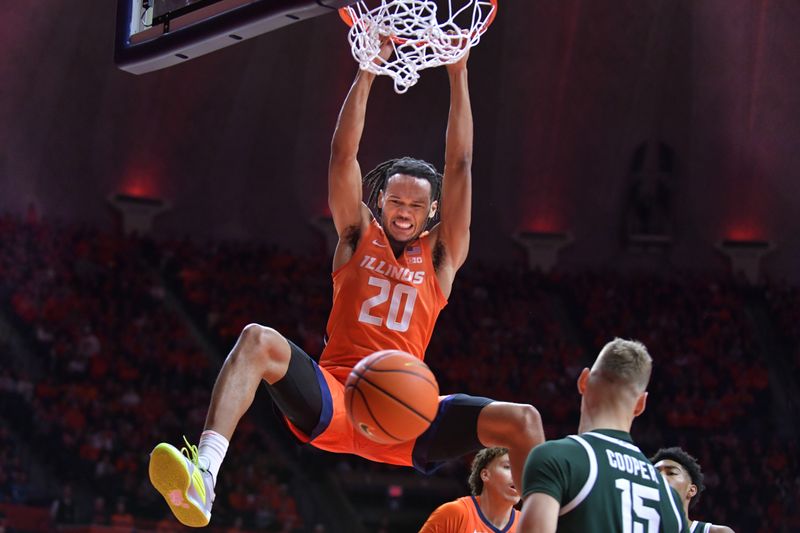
<point x="464" y="516"/>
<point x="381" y="302"/>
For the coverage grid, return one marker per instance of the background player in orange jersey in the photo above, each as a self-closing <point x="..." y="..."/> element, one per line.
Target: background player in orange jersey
<point x="391" y="277"/>
<point x="490" y="508"/>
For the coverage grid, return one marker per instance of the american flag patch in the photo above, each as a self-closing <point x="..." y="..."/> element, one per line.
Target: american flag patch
<point x="414" y="250"/>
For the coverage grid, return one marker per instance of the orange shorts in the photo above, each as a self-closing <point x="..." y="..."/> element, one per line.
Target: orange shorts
<point x="452" y="434"/>
<point x="335" y="433"/>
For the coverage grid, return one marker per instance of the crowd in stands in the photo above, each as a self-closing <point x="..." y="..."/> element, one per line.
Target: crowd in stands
<point x="784" y="303"/>
<point x="123" y="371"/>
<point x="15" y="486"/>
<point x="120" y="373"/>
<point x="231" y="285"/>
<point x="709" y="392"/>
<point x="697" y="329"/>
<point x="501" y="337"/>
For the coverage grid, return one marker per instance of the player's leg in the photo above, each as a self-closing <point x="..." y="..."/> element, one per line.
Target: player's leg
<point x="465" y="424"/>
<point x="452" y="433"/>
<point x="260" y="353"/>
<point x="515" y="426"/>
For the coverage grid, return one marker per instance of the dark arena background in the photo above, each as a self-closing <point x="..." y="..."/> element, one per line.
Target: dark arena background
<point x="636" y="173"/>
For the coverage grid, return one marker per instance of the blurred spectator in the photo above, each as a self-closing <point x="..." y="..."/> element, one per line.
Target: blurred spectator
<point x="100" y="515"/>
<point x="168" y="524"/>
<point x="4" y="528"/>
<point x="63" y="510"/>
<point x="121" y="519"/>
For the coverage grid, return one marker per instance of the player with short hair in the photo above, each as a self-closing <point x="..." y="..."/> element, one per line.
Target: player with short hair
<point x="683" y="473"/>
<point x="599" y="480"/>
<point x="393" y="271"/>
<point x="490" y="507"/>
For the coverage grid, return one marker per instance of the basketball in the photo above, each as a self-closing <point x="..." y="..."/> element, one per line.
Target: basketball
<point x="391" y="397"/>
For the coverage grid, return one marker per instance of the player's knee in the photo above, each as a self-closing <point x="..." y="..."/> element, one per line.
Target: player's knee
<point x="262" y="346"/>
<point x="529" y="422"/>
<point x="511" y="425"/>
<point x="524" y="425"/>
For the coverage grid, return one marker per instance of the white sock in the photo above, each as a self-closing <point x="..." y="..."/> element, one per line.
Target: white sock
<point x="211" y="451"/>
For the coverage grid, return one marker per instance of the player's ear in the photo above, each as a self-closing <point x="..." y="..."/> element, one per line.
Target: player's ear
<point x="485" y="474"/>
<point x="380" y="199"/>
<point x="692" y="492"/>
<point x="434" y="208"/>
<point x="641" y="403"/>
<point x="582" y="380"/>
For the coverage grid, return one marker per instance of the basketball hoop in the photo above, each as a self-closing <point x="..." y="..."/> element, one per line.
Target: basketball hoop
<point x="420" y="35"/>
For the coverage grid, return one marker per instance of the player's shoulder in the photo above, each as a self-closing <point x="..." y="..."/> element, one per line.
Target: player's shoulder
<point x="558" y="468"/>
<point x="720" y="529"/>
<point x="454" y="508"/>
<point x="447" y="517"/>
<point x="557" y="459"/>
<point x="571" y="455"/>
<point x="553" y="449"/>
<point x="559" y="444"/>
<point x="430" y="240"/>
<point x="459" y="504"/>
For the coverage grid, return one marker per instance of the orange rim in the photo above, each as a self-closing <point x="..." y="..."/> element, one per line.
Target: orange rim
<point x="492" y="15"/>
<point x="344" y="14"/>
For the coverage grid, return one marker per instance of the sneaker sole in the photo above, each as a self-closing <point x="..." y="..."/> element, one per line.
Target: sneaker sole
<point x="169" y="476"/>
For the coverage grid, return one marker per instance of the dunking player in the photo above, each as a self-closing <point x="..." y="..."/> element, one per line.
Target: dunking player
<point x="390" y="280"/>
<point x="599" y="480"/>
<point x="684" y="474"/>
<point x="490" y="507"/>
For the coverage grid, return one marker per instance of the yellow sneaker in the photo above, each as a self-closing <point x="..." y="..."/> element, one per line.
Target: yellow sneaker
<point x="188" y="489"/>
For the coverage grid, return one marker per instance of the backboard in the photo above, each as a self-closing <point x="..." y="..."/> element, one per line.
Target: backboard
<point x="155" y="34"/>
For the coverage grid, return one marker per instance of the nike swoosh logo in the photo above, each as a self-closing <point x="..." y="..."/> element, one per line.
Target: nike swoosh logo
<point x="378" y="243"/>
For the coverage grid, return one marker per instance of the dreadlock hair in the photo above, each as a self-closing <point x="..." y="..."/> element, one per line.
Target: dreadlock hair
<point x="376" y="180"/>
<point x="688" y="462"/>
<point x="481" y="461"/>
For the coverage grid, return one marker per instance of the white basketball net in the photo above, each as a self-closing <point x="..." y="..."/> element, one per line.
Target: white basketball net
<point x="419" y="39"/>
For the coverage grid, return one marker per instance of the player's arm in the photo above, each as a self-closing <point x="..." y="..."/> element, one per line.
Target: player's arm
<point x="456" y="208"/>
<point x="546" y="483"/>
<point x="721" y="529"/>
<point x="539" y="514"/>
<point x="344" y="172"/>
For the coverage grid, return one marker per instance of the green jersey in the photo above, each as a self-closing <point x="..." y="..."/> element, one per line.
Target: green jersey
<point x="604" y="484"/>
